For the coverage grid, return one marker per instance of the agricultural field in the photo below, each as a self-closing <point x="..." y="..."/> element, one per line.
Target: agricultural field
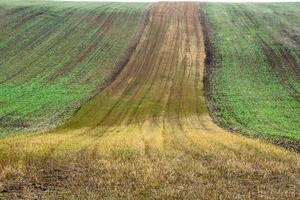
<point x="148" y="133"/>
<point x="55" y="56"/>
<point x="254" y="74"/>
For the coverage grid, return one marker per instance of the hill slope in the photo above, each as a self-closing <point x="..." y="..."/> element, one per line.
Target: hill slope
<point x="148" y="134"/>
<point x="255" y="73"/>
<point x="54" y="56"/>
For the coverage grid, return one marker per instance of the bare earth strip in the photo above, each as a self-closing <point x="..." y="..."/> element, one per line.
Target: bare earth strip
<point x="149" y="134"/>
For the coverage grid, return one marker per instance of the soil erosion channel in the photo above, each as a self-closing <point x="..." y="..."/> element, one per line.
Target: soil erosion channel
<point x="152" y="126"/>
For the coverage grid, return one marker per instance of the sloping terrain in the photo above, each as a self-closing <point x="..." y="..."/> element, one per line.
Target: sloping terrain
<point x="55" y="56"/>
<point x="148" y="134"/>
<point x="255" y="72"/>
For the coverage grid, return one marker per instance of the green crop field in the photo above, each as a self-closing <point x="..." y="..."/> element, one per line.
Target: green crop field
<point x="254" y="73"/>
<point x="54" y="56"/>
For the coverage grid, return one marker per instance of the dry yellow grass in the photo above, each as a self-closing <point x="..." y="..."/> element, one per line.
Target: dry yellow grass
<point x="149" y="135"/>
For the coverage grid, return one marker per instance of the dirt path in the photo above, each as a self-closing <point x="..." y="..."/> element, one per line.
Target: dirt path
<point x="162" y="81"/>
<point x="160" y="90"/>
<point x="149" y="134"/>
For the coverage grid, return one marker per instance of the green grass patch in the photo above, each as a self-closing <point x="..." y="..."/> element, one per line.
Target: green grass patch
<point x="56" y="55"/>
<point x="254" y="76"/>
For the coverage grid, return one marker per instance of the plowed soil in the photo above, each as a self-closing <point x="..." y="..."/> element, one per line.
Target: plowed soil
<point x="149" y="134"/>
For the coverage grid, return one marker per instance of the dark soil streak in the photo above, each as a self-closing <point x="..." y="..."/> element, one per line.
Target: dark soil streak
<point x="277" y="67"/>
<point x="288" y="57"/>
